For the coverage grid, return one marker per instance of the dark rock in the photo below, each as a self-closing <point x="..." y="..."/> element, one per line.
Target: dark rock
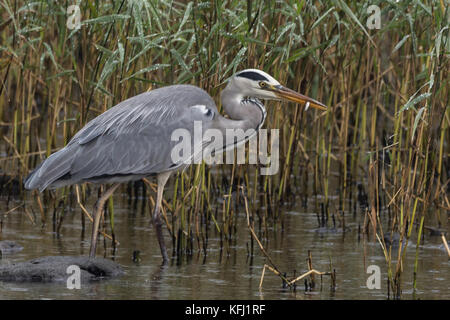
<point x="435" y="232"/>
<point x="393" y="240"/>
<point x="8" y="246"/>
<point x="54" y="269"/>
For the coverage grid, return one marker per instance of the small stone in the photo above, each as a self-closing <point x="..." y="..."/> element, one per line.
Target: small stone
<point x="8" y="246"/>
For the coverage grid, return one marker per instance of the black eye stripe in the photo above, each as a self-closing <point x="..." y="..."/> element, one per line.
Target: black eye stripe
<point x="252" y="76"/>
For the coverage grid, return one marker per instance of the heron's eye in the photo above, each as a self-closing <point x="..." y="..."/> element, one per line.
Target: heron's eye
<point x="262" y="84"/>
<point x="208" y="113"/>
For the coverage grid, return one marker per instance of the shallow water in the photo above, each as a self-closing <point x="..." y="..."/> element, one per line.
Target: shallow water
<point x="227" y="273"/>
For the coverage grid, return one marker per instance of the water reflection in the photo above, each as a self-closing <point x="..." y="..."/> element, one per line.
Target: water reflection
<point x="224" y="272"/>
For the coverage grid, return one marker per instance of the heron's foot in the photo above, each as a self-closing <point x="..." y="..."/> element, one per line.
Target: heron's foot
<point x="165" y="260"/>
<point x="93" y="248"/>
<point x="98" y="209"/>
<point x="98" y="213"/>
<point x="159" y="235"/>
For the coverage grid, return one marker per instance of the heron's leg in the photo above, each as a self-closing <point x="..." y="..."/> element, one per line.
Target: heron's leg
<point x="162" y="179"/>
<point x="99" y="207"/>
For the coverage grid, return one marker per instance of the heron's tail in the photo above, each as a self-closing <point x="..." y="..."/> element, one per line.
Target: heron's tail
<point x="50" y="170"/>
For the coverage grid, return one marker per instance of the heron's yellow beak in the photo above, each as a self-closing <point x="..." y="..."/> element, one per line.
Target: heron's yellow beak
<point x="291" y="95"/>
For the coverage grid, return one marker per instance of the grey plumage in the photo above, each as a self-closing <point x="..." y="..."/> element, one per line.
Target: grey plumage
<point x="127" y="142"/>
<point x="133" y="139"/>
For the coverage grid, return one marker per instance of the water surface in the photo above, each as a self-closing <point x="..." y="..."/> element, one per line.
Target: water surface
<point x="224" y="273"/>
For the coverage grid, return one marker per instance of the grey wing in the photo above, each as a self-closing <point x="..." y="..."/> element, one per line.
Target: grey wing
<point x="132" y="139"/>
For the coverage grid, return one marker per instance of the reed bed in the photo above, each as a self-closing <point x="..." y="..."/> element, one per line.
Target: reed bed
<point x="382" y="148"/>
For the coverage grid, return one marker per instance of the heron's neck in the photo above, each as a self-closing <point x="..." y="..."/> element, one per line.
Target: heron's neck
<point x="249" y="112"/>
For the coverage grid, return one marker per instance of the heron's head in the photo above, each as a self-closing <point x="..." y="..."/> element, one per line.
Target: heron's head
<point x="258" y="84"/>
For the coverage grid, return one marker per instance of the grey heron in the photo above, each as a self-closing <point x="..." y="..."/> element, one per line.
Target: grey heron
<point x="132" y="140"/>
